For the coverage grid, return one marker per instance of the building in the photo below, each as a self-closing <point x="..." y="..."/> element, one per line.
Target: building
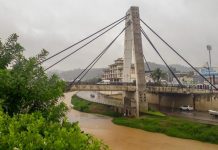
<point x="114" y="72"/>
<point x="210" y="74"/>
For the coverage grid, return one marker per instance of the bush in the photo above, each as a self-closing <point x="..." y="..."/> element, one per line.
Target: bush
<point x="33" y="131"/>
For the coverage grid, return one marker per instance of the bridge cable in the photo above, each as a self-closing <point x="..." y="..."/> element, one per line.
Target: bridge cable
<point x="177" y="53"/>
<point x="149" y="69"/>
<point x="96" y="59"/>
<point x="81" y="40"/>
<point x="148" y="39"/>
<point x="84" y="45"/>
<point x="101" y="54"/>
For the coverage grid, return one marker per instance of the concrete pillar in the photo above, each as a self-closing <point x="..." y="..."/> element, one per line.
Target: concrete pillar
<point x="193" y="96"/>
<point x="133" y="53"/>
<point x="159" y="101"/>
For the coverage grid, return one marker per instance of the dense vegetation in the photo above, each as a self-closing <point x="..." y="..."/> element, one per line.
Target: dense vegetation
<point x="172" y="126"/>
<point x="33" y="131"/>
<point x="91" y="107"/>
<point x="30" y="115"/>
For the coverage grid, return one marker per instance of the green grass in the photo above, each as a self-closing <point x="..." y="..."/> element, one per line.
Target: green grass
<point x="155" y="113"/>
<point x="171" y="126"/>
<point x="92" y="107"/>
<point x="154" y="121"/>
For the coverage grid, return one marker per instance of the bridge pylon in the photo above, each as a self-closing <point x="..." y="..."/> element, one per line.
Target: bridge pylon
<point x="133" y="54"/>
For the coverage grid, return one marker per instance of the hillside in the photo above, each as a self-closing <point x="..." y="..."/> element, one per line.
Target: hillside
<point x="97" y="72"/>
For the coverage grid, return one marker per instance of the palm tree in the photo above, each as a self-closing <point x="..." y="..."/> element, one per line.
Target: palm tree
<point x="157" y="74"/>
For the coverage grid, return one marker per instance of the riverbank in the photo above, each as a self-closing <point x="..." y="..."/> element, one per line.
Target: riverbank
<point x="171" y="126"/>
<point x="154" y="122"/>
<point x="92" y="107"/>
<point x="124" y="138"/>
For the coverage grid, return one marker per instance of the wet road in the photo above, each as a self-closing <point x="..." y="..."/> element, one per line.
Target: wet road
<point x="203" y="117"/>
<point x="125" y="138"/>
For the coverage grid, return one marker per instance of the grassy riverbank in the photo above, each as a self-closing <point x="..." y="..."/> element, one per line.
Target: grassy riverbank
<point x="171" y="126"/>
<point x="91" y="107"/>
<point x="154" y="122"/>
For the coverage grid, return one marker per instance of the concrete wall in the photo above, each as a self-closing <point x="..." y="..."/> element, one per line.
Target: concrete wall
<point x="169" y="101"/>
<point x="206" y="102"/>
<point x="202" y="102"/>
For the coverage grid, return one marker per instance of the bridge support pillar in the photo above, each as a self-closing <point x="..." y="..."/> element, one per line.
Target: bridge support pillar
<point x="133" y="49"/>
<point x="159" y="101"/>
<point x="129" y="104"/>
<point x="194" y="98"/>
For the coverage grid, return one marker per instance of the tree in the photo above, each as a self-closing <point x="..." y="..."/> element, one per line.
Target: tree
<point x="157" y="74"/>
<point x="10" y="51"/>
<point x="34" y="132"/>
<point x="30" y="115"/>
<point x="27" y="88"/>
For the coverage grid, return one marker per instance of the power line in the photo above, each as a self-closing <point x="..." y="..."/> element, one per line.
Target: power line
<point x="177" y="53"/>
<point x="145" y="35"/>
<point x="84" y="45"/>
<point x="81" y="40"/>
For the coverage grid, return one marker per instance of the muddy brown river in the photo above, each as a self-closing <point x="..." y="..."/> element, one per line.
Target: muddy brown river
<point x="125" y="138"/>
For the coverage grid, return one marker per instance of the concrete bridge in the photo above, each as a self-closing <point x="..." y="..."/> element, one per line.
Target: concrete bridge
<point x="177" y="90"/>
<point x="171" y="97"/>
<point x="132" y="88"/>
<point x="134" y="96"/>
<point x="102" y="87"/>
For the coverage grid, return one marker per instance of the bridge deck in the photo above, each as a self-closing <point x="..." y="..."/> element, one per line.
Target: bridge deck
<point x="132" y="88"/>
<point x="102" y="87"/>
<point x="177" y="90"/>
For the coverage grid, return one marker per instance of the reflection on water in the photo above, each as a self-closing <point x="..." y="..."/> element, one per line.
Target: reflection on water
<point x="124" y="138"/>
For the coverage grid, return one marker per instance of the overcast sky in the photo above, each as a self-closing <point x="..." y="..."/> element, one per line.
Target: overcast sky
<point x="189" y="25"/>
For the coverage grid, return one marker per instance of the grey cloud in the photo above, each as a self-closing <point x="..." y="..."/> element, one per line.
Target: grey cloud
<point x="188" y="25"/>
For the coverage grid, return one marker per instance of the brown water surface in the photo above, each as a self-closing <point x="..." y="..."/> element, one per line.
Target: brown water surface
<point x="125" y="138"/>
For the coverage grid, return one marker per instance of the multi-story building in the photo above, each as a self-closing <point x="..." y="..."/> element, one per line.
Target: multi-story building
<point x="114" y="72"/>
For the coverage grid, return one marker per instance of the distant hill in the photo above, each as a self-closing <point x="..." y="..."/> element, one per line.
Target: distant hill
<point x="179" y="68"/>
<point x="97" y="72"/>
<point x="72" y="74"/>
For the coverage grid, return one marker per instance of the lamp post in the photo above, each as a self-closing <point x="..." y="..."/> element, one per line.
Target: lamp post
<point x="209" y="48"/>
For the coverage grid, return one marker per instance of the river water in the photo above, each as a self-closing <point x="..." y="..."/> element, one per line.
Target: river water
<point x="125" y="138"/>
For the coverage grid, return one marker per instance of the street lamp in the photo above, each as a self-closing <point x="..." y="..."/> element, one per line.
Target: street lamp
<point x="209" y="48"/>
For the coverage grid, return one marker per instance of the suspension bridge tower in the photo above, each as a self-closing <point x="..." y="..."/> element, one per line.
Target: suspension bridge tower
<point x="133" y="54"/>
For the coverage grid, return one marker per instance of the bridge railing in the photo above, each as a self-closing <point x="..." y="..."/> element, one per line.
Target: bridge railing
<point x="110" y="83"/>
<point x="181" y="90"/>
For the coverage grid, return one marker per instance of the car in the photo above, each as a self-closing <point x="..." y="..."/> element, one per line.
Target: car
<point x="213" y="112"/>
<point x="104" y="82"/>
<point x="186" y="107"/>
